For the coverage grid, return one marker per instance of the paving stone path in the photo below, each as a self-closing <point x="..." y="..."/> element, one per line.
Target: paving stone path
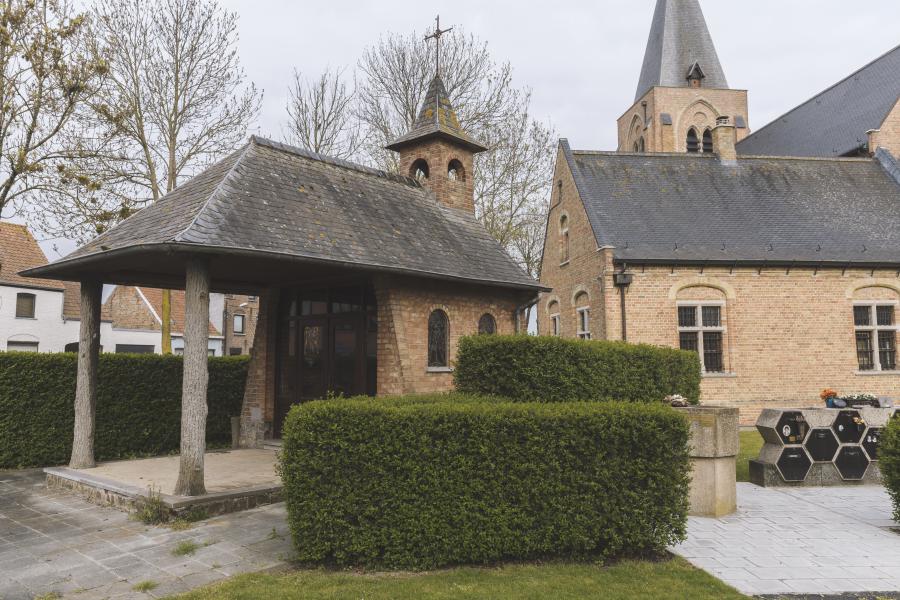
<point x="52" y="541"/>
<point x="801" y="541"/>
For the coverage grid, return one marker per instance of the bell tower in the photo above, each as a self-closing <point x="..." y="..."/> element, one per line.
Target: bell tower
<point x="436" y="151"/>
<point x="682" y="89"/>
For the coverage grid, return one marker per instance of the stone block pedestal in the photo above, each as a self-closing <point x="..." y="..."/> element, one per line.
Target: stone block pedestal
<point x="714" y="445"/>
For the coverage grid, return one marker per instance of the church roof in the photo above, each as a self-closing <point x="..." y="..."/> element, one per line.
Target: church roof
<point x="269" y="199"/>
<point x="437" y="117"/>
<point x="688" y="208"/>
<point x="679" y="40"/>
<point x="833" y="122"/>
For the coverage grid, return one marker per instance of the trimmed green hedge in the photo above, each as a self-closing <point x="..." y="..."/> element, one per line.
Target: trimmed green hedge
<point x="889" y="461"/>
<point x="138" y="405"/>
<point x="553" y="369"/>
<point x="422" y="482"/>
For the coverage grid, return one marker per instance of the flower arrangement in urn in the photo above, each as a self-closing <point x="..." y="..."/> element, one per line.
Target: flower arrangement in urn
<point x="676" y="400"/>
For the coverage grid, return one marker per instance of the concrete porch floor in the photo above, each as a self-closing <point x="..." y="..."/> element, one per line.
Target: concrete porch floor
<point x="235" y="480"/>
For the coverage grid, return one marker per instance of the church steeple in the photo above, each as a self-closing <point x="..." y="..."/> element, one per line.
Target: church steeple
<point x="680" y="47"/>
<point x="436" y="150"/>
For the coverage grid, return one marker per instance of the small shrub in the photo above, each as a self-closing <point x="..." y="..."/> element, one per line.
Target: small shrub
<point x="423" y="482"/>
<point x="553" y="369"/>
<point x="889" y="456"/>
<point x="138" y="405"/>
<point x="145" y="586"/>
<point x="152" y="511"/>
<point x="185" y="548"/>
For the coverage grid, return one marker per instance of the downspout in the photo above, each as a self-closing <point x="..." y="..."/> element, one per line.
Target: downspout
<point x="523" y="308"/>
<point x="622" y="280"/>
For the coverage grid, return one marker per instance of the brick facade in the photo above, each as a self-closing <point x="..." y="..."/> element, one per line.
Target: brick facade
<point x="789" y="333"/>
<point x="888" y="135"/>
<point x="441" y="156"/>
<point x="248" y="306"/>
<point x="687" y="107"/>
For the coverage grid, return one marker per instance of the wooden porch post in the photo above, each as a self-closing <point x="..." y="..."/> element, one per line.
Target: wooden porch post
<point x="196" y="378"/>
<point x="86" y="382"/>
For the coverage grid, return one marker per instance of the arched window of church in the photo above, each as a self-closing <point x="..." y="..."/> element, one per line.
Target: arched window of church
<point x="438" y="339"/>
<point x="641" y="145"/>
<point x="563" y="239"/>
<point x="487" y="325"/>
<point x="693" y="143"/>
<point x="455" y="171"/>
<point x="707" y="142"/>
<point x="419" y="170"/>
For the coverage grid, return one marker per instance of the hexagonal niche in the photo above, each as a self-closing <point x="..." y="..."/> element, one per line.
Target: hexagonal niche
<point x="792" y="427"/>
<point x="793" y="464"/>
<point x="849" y="427"/>
<point x="871" y="441"/>
<point x="851" y="462"/>
<point x="821" y="445"/>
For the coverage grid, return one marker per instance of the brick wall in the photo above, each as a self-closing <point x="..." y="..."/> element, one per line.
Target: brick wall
<point x="697" y="107"/>
<point x="888" y="135"/>
<point x="258" y="409"/>
<point x="250" y="310"/>
<point x="129" y="311"/>
<point x="438" y="154"/>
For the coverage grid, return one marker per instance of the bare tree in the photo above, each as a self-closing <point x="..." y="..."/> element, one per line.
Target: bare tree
<point x="45" y="74"/>
<point x="175" y="100"/>
<point x="320" y="116"/>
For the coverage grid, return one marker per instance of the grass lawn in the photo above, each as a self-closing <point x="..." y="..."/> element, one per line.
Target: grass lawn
<point x="751" y="442"/>
<point x="673" y="579"/>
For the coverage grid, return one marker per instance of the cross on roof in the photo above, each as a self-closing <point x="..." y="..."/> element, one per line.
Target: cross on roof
<point x="436" y="36"/>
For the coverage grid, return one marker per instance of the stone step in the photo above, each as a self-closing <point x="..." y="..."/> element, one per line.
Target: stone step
<point x="272" y="445"/>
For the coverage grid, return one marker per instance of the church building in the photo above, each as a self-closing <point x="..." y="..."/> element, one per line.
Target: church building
<point x="366" y="279"/>
<point x="775" y="256"/>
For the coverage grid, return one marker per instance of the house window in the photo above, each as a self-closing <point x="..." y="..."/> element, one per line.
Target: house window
<point x="487" y="325"/>
<point x="553" y="310"/>
<point x="239" y="324"/>
<point x="876" y="337"/>
<point x="707" y="142"/>
<point x="140" y="349"/>
<point x="234" y="351"/>
<point x="563" y="239"/>
<point x="438" y="339"/>
<point x="21" y="346"/>
<point x="25" y="306"/>
<point x="693" y="143"/>
<point x="584" y="323"/>
<point x="700" y="330"/>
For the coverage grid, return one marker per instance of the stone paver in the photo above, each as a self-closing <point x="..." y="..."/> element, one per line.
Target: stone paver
<point x="52" y="541"/>
<point x="800" y="541"/>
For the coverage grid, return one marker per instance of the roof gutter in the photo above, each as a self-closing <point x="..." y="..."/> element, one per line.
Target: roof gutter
<point x="51" y="271"/>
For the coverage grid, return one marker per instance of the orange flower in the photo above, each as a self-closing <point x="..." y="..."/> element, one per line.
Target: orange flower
<point x="828" y="393"/>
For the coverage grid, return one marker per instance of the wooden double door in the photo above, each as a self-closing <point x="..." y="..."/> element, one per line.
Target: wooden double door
<point x="326" y="346"/>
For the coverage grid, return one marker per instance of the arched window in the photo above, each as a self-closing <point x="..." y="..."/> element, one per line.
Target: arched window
<point x="583" y="316"/>
<point x="487" y="325"/>
<point x="693" y="143"/>
<point x="553" y="310"/>
<point x="419" y="170"/>
<point x="564" y="239"/>
<point x="640" y="145"/>
<point x="707" y="142"/>
<point x="438" y="339"/>
<point x="636" y="147"/>
<point x="455" y="171"/>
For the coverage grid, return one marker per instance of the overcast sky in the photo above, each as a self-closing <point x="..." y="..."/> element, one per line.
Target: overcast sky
<point x="581" y="59"/>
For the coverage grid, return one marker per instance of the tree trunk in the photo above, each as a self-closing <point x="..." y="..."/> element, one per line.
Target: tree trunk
<point x="166" y="322"/>
<point x="86" y="383"/>
<point x="196" y="378"/>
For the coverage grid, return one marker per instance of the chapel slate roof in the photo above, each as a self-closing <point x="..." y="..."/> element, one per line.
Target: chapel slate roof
<point x="834" y="122"/>
<point x="437" y="117"/>
<point x="271" y="198"/>
<point x="679" y="39"/>
<point x="675" y="208"/>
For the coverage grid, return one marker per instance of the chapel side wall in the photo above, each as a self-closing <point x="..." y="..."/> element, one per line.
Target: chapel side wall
<point x="404" y="307"/>
<point x="789" y="333"/>
<point x="583" y="270"/>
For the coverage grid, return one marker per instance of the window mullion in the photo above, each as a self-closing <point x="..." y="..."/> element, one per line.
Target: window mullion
<point x="699" y="317"/>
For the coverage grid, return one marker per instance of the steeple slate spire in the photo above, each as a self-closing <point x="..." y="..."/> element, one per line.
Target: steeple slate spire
<point x="679" y="40"/>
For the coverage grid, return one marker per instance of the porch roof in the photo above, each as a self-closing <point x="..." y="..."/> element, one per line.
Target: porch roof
<point x="270" y="210"/>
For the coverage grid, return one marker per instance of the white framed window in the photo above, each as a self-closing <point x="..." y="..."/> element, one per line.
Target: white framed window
<point x="875" y="327"/>
<point x="700" y="330"/>
<point x="554" y="325"/>
<point x="584" y="323"/>
<point x="239" y="324"/>
<point x="563" y="239"/>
